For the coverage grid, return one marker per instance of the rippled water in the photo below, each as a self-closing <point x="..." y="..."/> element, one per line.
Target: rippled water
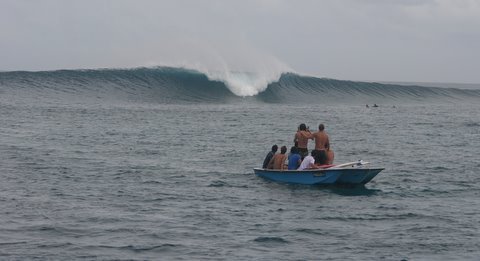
<point x="153" y="181"/>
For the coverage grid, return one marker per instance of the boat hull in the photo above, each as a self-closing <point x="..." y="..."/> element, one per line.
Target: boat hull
<point x="308" y="177"/>
<point x="357" y="176"/>
<point x="320" y="176"/>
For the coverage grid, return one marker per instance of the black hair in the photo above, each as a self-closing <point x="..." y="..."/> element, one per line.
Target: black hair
<point x="294" y="150"/>
<point x="274" y="148"/>
<point x="303" y="127"/>
<point x="283" y="149"/>
<point x="321" y="127"/>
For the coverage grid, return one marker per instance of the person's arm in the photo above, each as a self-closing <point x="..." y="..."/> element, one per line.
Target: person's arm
<point x="311" y="164"/>
<point x="270" y="164"/>
<point x="266" y="161"/>
<point x="295" y="138"/>
<point x="307" y="135"/>
<point x="285" y="159"/>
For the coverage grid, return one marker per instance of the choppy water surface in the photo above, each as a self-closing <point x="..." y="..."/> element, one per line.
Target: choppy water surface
<point x="163" y="181"/>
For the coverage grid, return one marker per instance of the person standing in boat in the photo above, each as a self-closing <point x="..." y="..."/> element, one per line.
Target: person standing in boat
<point x="278" y="160"/>
<point x="321" y="141"/>
<point x="301" y="140"/>
<point x="269" y="156"/>
<point x="294" y="159"/>
<point x="320" y="137"/>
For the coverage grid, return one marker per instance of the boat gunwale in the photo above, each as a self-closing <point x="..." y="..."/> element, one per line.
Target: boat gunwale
<point x="314" y="170"/>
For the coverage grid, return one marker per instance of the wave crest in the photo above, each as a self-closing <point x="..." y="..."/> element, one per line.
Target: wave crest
<point x="179" y="85"/>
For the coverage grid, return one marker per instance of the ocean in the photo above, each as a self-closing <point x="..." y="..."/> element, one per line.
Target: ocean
<point x="157" y="164"/>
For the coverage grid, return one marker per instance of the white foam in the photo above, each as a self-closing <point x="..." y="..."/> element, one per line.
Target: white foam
<point x="244" y="69"/>
<point x="245" y="83"/>
<point x="248" y="82"/>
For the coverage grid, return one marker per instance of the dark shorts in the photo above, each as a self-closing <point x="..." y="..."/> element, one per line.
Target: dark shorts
<point x="303" y="152"/>
<point x="321" y="157"/>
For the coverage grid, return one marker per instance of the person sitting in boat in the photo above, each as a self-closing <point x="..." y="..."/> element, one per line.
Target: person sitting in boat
<point x="301" y="140"/>
<point x="278" y="160"/>
<point x="330" y="154"/>
<point x="308" y="162"/>
<point x="270" y="156"/>
<point x="294" y="159"/>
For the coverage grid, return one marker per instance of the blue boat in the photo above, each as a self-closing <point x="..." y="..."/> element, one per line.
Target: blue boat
<point x="357" y="176"/>
<point x="308" y="177"/>
<point x="348" y="173"/>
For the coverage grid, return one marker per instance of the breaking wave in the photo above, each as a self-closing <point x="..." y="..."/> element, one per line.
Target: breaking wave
<point x="179" y="85"/>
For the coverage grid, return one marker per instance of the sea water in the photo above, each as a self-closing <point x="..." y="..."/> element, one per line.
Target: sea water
<point x="99" y="165"/>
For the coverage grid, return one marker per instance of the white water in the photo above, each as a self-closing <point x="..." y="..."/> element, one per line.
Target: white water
<point x="245" y="83"/>
<point x="242" y="81"/>
<point x="245" y="69"/>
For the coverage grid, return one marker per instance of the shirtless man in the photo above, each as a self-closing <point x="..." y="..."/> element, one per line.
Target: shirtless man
<point x="278" y="160"/>
<point x="301" y="140"/>
<point x="321" y="141"/>
<point x="321" y="138"/>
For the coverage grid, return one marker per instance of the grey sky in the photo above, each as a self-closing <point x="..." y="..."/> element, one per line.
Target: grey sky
<point x="383" y="40"/>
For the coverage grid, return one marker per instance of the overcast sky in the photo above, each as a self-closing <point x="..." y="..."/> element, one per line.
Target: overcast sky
<point x="377" y="40"/>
